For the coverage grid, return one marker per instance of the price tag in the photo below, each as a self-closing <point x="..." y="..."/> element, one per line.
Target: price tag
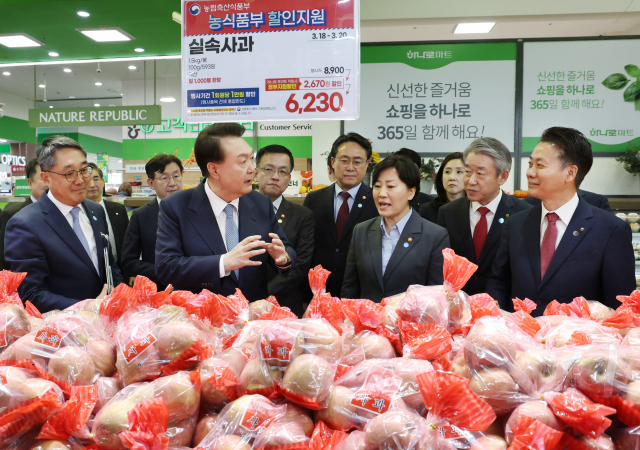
<point x="270" y="60"/>
<point x="134" y="348"/>
<point x="49" y="337"/>
<point x="254" y="419"/>
<point x="277" y="342"/>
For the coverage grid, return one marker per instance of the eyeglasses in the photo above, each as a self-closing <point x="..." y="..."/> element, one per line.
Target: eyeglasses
<point x="72" y="175"/>
<point x="357" y="163"/>
<point x="269" y="171"/>
<point x="165" y="178"/>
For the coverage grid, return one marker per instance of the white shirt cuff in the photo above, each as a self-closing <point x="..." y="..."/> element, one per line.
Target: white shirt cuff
<point x="222" y="271"/>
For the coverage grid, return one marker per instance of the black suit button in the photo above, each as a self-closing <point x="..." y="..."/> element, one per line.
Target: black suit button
<point x="337" y="250"/>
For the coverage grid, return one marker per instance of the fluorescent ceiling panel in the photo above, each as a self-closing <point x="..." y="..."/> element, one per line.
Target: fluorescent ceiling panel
<point x="106" y="34"/>
<point x="472" y="28"/>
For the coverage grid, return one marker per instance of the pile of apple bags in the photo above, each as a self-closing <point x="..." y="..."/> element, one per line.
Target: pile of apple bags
<point x="428" y="369"/>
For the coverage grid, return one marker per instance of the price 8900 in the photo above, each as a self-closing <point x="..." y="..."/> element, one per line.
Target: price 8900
<point x="311" y="102"/>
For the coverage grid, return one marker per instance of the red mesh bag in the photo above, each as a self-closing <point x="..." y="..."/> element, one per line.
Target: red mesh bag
<point x="525" y="322"/>
<point x="324" y="306"/>
<point x="424" y="340"/>
<point x="71" y="420"/>
<point x="456" y="270"/>
<point x="9" y="282"/>
<point x="579" y="307"/>
<point x="363" y="314"/>
<point x="531" y="434"/>
<point x="318" y="279"/>
<point x="32" y="310"/>
<point x="27" y="414"/>
<point x="148" y="423"/>
<point x="481" y="305"/>
<point x="632" y="301"/>
<point x="114" y="305"/>
<point x="579" y="412"/>
<point x="524" y="305"/>
<point x="624" y="317"/>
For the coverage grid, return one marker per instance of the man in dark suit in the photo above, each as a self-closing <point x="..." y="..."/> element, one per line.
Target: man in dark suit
<point x="164" y="176"/>
<point x="117" y="218"/>
<point x="564" y="247"/>
<point x="597" y="200"/>
<point x="421" y="198"/>
<point x="274" y="164"/>
<point x="59" y="240"/>
<point x="221" y="235"/>
<point x="37" y="187"/>
<point x="334" y="216"/>
<point x="475" y="222"/>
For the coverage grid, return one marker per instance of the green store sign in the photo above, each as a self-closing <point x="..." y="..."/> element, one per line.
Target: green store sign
<point x="22" y="189"/>
<point x="167" y="124"/>
<point x="95" y="116"/>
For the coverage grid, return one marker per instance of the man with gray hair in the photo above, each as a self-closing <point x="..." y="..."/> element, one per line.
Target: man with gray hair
<point x="475" y="222"/>
<point x="59" y="240"/>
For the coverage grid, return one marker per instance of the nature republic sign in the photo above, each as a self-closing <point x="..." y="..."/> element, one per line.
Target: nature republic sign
<point x="95" y="116"/>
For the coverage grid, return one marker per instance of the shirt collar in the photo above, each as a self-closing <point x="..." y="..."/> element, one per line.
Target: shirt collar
<point x="278" y="202"/>
<point x="352" y="192"/>
<point x="400" y="225"/>
<point x="565" y="212"/>
<point x="64" y="209"/>
<point x="159" y="199"/>
<point x="492" y="206"/>
<point x="33" y="199"/>
<point x="101" y="203"/>
<point x="217" y="204"/>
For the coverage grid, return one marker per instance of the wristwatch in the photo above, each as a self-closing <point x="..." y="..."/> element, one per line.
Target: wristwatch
<point x="285" y="265"/>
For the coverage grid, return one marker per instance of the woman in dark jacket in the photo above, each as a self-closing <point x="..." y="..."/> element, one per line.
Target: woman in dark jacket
<point x="449" y="186"/>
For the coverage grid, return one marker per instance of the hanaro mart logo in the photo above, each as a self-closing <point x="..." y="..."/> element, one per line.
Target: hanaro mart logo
<point x="195" y="9"/>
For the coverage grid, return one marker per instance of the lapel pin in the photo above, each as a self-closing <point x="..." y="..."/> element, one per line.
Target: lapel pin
<point x="581" y="229"/>
<point x="282" y="216"/>
<point x="410" y="239"/>
<point x="500" y="220"/>
<point x="406" y="244"/>
<point x="279" y="220"/>
<point x="364" y="197"/>
<point x="94" y="218"/>
<point x="116" y="214"/>
<point x="575" y="233"/>
<point x="506" y="215"/>
<point x="359" y="205"/>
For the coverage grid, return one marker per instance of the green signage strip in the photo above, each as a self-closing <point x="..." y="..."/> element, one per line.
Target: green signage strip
<point x="22" y="189"/>
<point x="101" y="116"/>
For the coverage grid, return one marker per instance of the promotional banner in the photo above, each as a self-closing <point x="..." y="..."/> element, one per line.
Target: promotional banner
<point x="593" y="86"/>
<point x="436" y="98"/>
<point x="103" y="164"/>
<point x="270" y="60"/>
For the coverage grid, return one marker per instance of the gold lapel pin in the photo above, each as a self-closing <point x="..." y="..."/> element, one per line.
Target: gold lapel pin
<point x="410" y="239"/>
<point x="279" y="220"/>
<point x="581" y="229"/>
<point x="507" y="215"/>
<point x="282" y="216"/>
<point x="364" y="197"/>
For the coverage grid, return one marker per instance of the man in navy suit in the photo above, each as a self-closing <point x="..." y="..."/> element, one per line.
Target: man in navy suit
<point x="221" y="235"/>
<point x="60" y="239"/>
<point x="564" y="247"/>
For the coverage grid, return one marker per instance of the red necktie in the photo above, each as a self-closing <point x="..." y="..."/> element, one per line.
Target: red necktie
<point x="548" y="247"/>
<point x="343" y="213"/>
<point x="480" y="231"/>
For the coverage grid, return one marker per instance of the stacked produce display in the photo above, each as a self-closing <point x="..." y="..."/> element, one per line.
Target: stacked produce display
<point x="428" y="369"/>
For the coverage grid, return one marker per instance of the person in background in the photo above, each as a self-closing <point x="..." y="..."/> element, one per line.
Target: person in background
<point x="475" y="222"/>
<point x="164" y="176"/>
<point x="37" y="187"/>
<point x="421" y="198"/>
<point x="110" y="192"/>
<point x="340" y="206"/>
<point x="117" y="218"/>
<point x="59" y="240"/>
<point x="274" y="164"/>
<point x="449" y="186"/>
<point x="597" y="200"/>
<point x="125" y="190"/>
<point x="563" y="248"/>
<point x="216" y="236"/>
<point x="391" y="252"/>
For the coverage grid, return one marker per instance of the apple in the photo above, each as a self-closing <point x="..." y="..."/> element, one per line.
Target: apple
<point x="51" y="445"/>
<point x="179" y="394"/>
<point x="73" y="365"/>
<point x="229" y="442"/>
<point x="408" y="370"/>
<point x="340" y="414"/>
<point x="632" y="392"/>
<point x="490" y="344"/>
<point x="425" y="304"/>
<point x="181" y="432"/>
<point x="233" y="414"/>
<point x="460" y="367"/>
<point x="203" y="428"/>
<point x="16" y="322"/>
<point x="497" y="388"/>
<point x="354" y="441"/>
<point x="25" y="348"/>
<point x="537" y="410"/>
<point x="600" y="373"/>
<point x="300" y="416"/>
<point x="167" y="314"/>
<point x="277" y="334"/>
<point x="210" y="395"/>
<point x="321" y="339"/>
<point x="489" y="442"/>
<point x="103" y="355"/>
<point x="599" y="312"/>
<point x="395" y="430"/>
<point x="375" y="346"/>
<point x="633" y="337"/>
<point x="281" y="433"/>
<point x="110" y="422"/>
<point x="537" y="370"/>
<point x="258" y="375"/>
<point x="141" y="368"/>
<point x="236" y="358"/>
<point x="602" y="442"/>
<point x="309" y="376"/>
<point x="175" y="337"/>
<point x="258" y="308"/>
<point x="107" y="389"/>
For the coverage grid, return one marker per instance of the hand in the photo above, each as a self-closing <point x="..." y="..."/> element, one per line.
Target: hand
<point x="103" y="293"/>
<point x="276" y="250"/>
<point x="242" y="253"/>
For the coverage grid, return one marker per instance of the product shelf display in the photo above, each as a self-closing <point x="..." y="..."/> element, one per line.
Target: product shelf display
<point x="428" y="369"/>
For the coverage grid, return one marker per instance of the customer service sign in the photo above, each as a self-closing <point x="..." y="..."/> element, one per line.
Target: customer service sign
<point x="270" y="60"/>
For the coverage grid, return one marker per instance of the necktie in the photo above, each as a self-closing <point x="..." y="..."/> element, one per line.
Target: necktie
<point x="231" y="231"/>
<point x="548" y="247"/>
<point x="343" y="213"/>
<point x="275" y="210"/>
<point x="480" y="231"/>
<point x="78" y="230"/>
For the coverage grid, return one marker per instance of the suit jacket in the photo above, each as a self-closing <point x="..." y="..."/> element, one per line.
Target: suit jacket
<point x="9" y="211"/>
<point x="139" y="247"/>
<point x="454" y="216"/>
<point x="330" y="249"/>
<point x="297" y="223"/>
<point x="594" y="259"/>
<point x="39" y="241"/>
<point x="597" y="200"/>
<point x="419" y="262"/>
<point x="429" y="212"/>
<point x="420" y="199"/>
<point x="189" y="243"/>
<point x="119" y="221"/>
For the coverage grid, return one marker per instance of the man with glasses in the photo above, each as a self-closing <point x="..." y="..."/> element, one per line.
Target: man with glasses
<point x="340" y="206"/>
<point x="164" y="175"/>
<point x="117" y="218"/>
<point x="274" y="164"/>
<point x="59" y="241"/>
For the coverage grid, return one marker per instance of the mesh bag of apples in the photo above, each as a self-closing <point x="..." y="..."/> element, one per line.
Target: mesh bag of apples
<point x="428" y="369"/>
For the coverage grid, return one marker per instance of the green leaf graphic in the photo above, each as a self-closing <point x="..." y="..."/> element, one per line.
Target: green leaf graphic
<point x="638" y="103"/>
<point x="615" y="81"/>
<point x="632" y="70"/>
<point x="632" y="91"/>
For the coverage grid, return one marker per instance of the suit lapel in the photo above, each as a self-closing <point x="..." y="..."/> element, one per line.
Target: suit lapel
<point x="375" y="249"/>
<point x="98" y="237"/>
<point x="200" y="212"/>
<point x="284" y="214"/>
<point x="413" y="230"/>
<point x="531" y="236"/>
<point x="573" y="235"/>
<point x="327" y="203"/>
<point x="464" y="228"/>
<point x="504" y="208"/>
<point x="364" y="194"/>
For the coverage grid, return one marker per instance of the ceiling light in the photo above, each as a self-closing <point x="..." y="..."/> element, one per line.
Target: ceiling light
<point x="72" y="96"/>
<point x="67" y="70"/>
<point x="139" y="50"/>
<point x="470" y="28"/>
<point x="98" y="83"/>
<point x="176" y="17"/>
<point x="53" y="62"/>
<point x="41" y="85"/>
<point x="15" y="40"/>
<point x="6" y="73"/>
<point x="50" y="106"/>
<point x="83" y="14"/>
<point x="96" y="104"/>
<point x="167" y="99"/>
<point x="132" y="67"/>
<point x="105" y="34"/>
<point x="121" y="94"/>
<point x="54" y="54"/>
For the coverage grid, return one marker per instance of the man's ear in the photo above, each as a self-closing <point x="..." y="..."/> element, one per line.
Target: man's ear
<point x="212" y="168"/>
<point x="572" y="173"/>
<point x="46" y="179"/>
<point x="150" y="183"/>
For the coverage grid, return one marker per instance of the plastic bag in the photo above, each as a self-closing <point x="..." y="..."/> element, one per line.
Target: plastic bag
<point x="578" y="411"/>
<point x="220" y="381"/>
<point x="425" y="304"/>
<point x="280" y="433"/>
<point x="398" y="429"/>
<point x="318" y="279"/>
<point x="16" y="420"/>
<point x="14" y="323"/>
<point x="424" y="340"/>
<point x="538" y="370"/>
<point x="72" y="418"/>
<point x="564" y="333"/>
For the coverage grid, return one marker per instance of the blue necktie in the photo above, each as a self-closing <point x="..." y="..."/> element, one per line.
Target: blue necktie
<point x="78" y="230"/>
<point x="231" y="230"/>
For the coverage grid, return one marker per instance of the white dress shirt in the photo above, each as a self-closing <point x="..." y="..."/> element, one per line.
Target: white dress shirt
<point x="474" y="215"/>
<point x="390" y="240"/>
<point x="218" y="205"/>
<point x="565" y="213"/>
<point x="85" y="225"/>
<point x="33" y="199"/>
<point x="112" y="239"/>
<point x="337" y="199"/>
<point x="277" y="203"/>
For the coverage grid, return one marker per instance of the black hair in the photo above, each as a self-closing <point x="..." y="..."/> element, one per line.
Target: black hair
<point x="31" y="168"/>
<point x="208" y="149"/>
<point x="412" y="155"/>
<point x="351" y="137"/>
<point x="407" y="170"/>
<point x="574" y="148"/>
<point x="441" y="197"/>
<point x="331" y="155"/>
<point x="159" y="162"/>
<point x="96" y="169"/>
<point x="274" y="149"/>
